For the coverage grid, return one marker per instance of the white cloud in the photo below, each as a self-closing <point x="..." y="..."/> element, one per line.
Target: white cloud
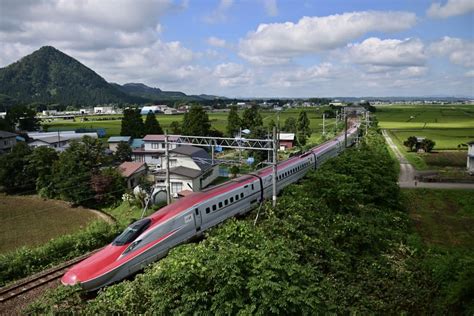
<point x="279" y="42"/>
<point x="271" y="7"/>
<point x="469" y="73"/>
<point x="216" y="42"/>
<point x="459" y="51"/>
<point x="220" y="13"/>
<point x="389" y="52"/>
<point x="451" y="8"/>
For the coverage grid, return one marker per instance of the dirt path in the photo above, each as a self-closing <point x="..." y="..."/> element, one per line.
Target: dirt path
<point x="406" y="179"/>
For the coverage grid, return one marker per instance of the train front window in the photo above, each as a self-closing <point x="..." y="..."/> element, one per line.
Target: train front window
<point x="132" y="232"/>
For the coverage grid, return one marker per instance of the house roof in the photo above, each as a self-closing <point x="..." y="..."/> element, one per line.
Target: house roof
<point x="128" y="168"/>
<point x="5" y="134"/>
<point x="51" y="139"/>
<point x="286" y="136"/>
<point x="137" y="143"/>
<point x="186" y="172"/>
<point x="199" y="155"/>
<point x="118" y="139"/>
<point x="159" y="138"/>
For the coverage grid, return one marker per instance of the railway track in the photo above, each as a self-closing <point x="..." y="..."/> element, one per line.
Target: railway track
<point x="25" y="285"/>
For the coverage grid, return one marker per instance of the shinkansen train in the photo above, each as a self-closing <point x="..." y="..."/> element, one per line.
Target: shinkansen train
<point x="150" y="238"/>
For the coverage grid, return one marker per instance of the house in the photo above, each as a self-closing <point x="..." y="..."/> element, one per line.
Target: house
<point x="57" y="140"/>
<point x="114" y="141"/>
<point x="191" y="168"/>
<point x="470" y="157"/>
<point x="171" y="111"/>
<point x="7" y="141"/>
<point x="152" y="150"/>
<point x="286" y="140"/>
<point x="58" y="143"/>
<point x="132" y="171"/>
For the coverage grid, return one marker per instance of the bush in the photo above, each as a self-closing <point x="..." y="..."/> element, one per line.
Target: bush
<point x="25" y="261"/>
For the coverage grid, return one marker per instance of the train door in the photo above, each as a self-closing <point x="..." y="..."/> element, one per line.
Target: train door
<point x="197" y="218"/>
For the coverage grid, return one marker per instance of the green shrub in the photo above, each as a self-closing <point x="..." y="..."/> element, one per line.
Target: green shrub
<point x="25" y="261"/>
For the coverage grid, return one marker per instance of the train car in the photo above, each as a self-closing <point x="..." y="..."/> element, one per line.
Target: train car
<point x="150" y="238"/>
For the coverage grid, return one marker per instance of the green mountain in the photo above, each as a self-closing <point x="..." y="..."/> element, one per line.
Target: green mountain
<point x="156" y="94"/>
<point x="50" y="76"/>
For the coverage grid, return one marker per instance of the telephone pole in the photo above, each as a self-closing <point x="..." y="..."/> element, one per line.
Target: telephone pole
<point x="274" y="169"/>
<point x="345" y="129"/>
<point x="167" y="181"/>
<point x="324" y="124"/>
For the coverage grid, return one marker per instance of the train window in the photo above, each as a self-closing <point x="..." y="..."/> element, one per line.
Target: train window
<point x="226" y="202"/>
<point x="237" y="197"/>
<point x="214" y="207"/>
<point x="132" y="232"/>
<point x="197" y="211"/>
<point x="208" y="209"/>
<point x="242" y="195"/>
<point x="231" y="199"/>
<point x="220" y="204"/>
<point x="252" y="186"/>
<point x="246" y="186"/>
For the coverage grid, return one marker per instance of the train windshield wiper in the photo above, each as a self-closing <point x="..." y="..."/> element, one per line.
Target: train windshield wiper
<point x="131" y="232"/>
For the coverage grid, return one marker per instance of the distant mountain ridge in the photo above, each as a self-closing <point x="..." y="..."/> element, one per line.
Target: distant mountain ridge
<point x="50" y="76"/>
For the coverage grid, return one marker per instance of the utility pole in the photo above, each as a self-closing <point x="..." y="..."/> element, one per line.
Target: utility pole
<point x="345" y="129"/>
<point x="212" y="155"/>
<point x="167" y="181"/>
<point x="324" y="124"/>
<point x="274" y="177"/>
<point x="366" y="122"/>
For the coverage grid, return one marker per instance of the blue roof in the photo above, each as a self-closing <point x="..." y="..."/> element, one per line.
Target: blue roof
<point x="137" y="143"/>
<point x="118" y="139"/>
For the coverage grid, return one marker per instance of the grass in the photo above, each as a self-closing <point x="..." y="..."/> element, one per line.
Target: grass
<point x="32" y="221"/>
<point x="448" y="125"/>
<point x="443" y="218"/>
<point x="218" y="121"/>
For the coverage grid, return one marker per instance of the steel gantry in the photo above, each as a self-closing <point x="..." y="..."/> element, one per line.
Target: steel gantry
<point x="239" y="143"/>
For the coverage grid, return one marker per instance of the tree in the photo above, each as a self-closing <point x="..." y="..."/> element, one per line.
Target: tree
<point x="303" y="131"/>
<point x="196" y="122"/>
<point x="290" y="125"/>
<point x="123" y="152"/>
<point x="22" y="117"/>
<point x="271" y="124"/>
<point x="410" y="142"/>
<point x="14" y="174"/>
<point x="427" y="145"/>
<point x="73" y="170"/>
<point x="233" y="121"/>
<point x="40" y="165"/>
<point x="175" y="127"/>
<point x="251" y="118"/>
<point x="108" y="186"/>
<point x="152" y="126"/>
<point x="132" y="123"/>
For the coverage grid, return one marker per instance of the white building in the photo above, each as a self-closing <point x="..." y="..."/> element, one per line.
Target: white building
<point x="152" y="150"/>
<point x="104" y="110"/>
<point x="153" y="109"/>
<point x="191" y="169"/>
<point x="470" y="157"/>
<point x="57" y="140"/>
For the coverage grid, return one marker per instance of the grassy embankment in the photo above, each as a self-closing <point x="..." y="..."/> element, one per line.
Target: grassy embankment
<point x="32" y="221"/>
<point x="448" y="125"/>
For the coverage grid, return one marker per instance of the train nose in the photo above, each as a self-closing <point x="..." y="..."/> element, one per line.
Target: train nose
<point x="69" y="278"/>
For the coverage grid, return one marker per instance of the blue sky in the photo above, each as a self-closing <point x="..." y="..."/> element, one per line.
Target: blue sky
<point x="259" y="48"/>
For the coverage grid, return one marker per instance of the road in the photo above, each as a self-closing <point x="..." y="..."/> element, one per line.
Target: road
<point x="406" y="179"/>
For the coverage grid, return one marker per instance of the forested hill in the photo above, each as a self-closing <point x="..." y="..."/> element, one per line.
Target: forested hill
<point x="50" y="76"/>
<point x="156" y="94"/>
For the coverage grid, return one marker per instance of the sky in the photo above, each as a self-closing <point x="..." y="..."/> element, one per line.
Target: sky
<point x="257" y="48"/>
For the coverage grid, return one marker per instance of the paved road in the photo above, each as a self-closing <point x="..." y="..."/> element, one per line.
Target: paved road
<point x="406" y="179"/>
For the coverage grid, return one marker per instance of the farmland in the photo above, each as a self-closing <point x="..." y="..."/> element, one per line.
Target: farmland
<point x="448" y="125"/>
<point x="218" y="121"/>
<point x="51" y="219"/>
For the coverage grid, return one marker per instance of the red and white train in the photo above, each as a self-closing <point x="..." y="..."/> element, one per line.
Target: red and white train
<point x="150" y="238"/>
